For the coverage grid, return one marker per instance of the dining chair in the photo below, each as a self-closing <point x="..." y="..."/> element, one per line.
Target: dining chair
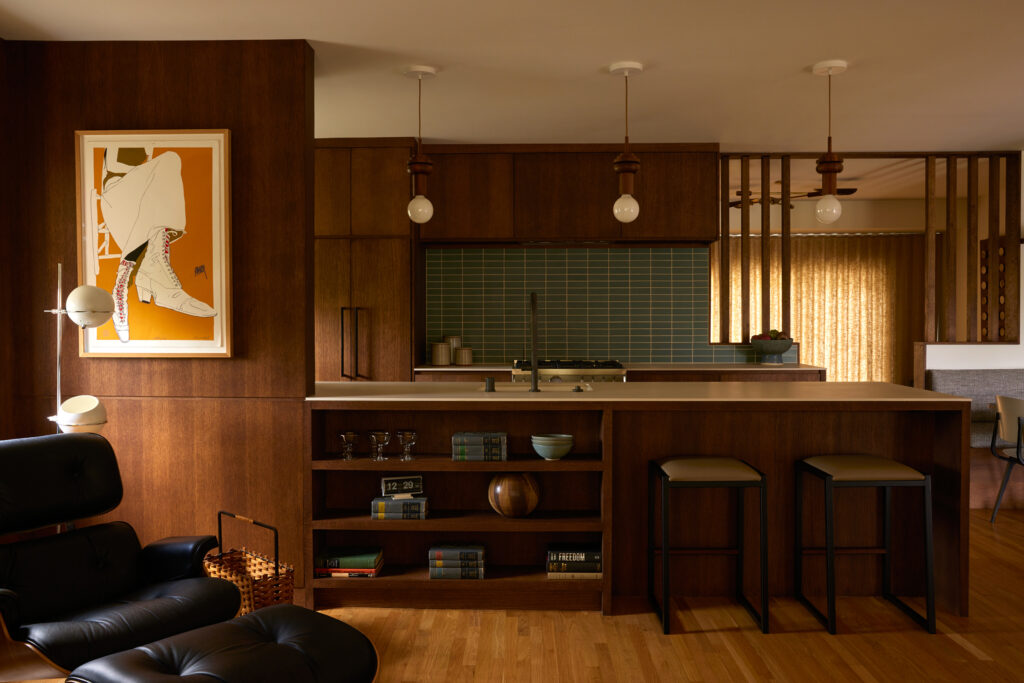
<point x="1008" y="426"/>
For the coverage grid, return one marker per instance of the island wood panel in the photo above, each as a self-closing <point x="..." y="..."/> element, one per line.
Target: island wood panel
<point x="566" y="196"/>
<point x="332" y="292"/>
<point x="382" y="294"/>
<point x="472" y="196"/>
<point x="677" y="196"/>
<point x="380" y="190"/>
<point x="108" y="86"/>
<point x="332" y="194"/>
<point x="772" y="440"/>
<point x="787" y="375"/>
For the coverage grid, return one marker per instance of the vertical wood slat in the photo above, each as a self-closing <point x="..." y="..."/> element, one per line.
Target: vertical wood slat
<point x="766" y="229"/>
<point x="972" y="248"/>
<point x="745" y="249"/>
<point x="724" y="269"/>
<point x="949" y="256"/>
<point x="929" y="250"/>
<point x="994" y="242"/>
<point x="786" y="249"/>
<point x="1012" y="246"/>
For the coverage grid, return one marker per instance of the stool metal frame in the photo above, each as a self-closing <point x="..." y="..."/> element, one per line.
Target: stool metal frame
<point x="663" y="611"/>
<point x="829" y="620"/>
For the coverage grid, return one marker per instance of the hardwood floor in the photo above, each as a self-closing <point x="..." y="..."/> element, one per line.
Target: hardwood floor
<point x="876" y="642"/>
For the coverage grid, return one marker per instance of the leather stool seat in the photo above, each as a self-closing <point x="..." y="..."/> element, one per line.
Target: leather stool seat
<point x="708" y="469"/>
<point x="278" y="643"/>
<point x="863" y="468"/>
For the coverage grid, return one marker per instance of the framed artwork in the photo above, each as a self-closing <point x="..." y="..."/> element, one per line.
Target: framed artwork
<point x="153" y="221"/>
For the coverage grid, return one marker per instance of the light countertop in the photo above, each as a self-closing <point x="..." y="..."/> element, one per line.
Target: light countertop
<point x="632" y="392"/>
<point x="681" y="367"/>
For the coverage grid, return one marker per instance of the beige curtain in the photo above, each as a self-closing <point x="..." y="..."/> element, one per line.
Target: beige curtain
<point x="856" y="301"/>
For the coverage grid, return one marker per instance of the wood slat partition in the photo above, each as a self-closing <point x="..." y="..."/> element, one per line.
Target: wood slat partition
<point x="994" y="241"/>
<point x="745" y="247"/>
<point x="1012" y="246"/>
<point x="929" y="250"/>
<point x="766" y="246"/>
<point x="724" y="279"/>
<point x="949" y="256"/>
<point x="787" y="251"/>
<point x="972" y="248"/>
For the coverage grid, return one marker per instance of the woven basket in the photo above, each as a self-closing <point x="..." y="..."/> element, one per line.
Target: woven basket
<point x="261" y="581"/>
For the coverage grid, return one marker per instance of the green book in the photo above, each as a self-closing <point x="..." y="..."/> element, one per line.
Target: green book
<point x="349" y="557"/>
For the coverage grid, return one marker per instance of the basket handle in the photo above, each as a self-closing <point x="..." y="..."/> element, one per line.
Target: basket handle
<point x="220" y="515"/>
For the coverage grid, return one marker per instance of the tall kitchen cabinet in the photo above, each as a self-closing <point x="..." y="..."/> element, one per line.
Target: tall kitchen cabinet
<point x="363" y="261"/>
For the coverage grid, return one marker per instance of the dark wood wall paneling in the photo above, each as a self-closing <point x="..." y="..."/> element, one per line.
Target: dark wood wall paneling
<point x="192" y="435"/>
<point x="7" y="215"/>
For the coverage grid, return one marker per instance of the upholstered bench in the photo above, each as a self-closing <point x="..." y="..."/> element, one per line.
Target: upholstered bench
<point x="279" y="643"/>
<point x="981" y="386"/>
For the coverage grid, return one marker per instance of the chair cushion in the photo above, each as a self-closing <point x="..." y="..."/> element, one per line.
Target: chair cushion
<point x="708" y="469"/>
<point x="138" y="617"/>
<point x="863" y="468"/>
<point x="279" y="643"/>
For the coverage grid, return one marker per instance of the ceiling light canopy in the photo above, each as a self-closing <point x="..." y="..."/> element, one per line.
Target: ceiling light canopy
<point x="626" y="208"/>
<point x="420" y="209"/>
<point x="830" y="165"/>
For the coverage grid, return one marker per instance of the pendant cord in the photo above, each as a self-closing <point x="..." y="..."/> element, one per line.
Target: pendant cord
<point x="626" y="79"/>
<point x="419" y="111"/>
<point x="830" y="110"/>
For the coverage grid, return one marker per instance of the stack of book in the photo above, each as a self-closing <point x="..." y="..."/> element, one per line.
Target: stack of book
<point x="348" y="562"/>
<point x="572" y="562"/>
<point x="388" y="507"/>
<point x="456" y="562"/>
<point x="480" y="446"/>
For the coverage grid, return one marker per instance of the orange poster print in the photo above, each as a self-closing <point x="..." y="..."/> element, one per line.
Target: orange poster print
<point x="154" y="233"/>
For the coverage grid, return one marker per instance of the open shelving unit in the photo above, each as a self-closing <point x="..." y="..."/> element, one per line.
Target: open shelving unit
<point x="574" y="507"/>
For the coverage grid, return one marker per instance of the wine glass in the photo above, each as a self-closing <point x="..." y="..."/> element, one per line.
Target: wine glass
<point x="407" y="438"/>
<point x="348" y="440"/>
<point x="380" y="439"/>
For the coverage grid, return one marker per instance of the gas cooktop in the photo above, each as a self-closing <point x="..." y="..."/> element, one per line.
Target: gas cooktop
<point x="569" y="364"/>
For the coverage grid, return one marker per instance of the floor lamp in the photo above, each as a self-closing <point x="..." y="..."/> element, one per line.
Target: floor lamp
<point x="87" y="306"/>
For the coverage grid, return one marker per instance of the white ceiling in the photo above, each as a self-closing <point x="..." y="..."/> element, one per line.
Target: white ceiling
<point x="924" y="74"/>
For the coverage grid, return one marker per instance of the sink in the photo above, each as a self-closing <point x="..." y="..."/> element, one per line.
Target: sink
<point x="521" y="387"/>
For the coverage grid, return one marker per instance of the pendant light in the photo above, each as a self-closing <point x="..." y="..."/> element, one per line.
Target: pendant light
<point x="626" y="207"/>
<point x="420" y="209"/>
<point x="830" y="165"/>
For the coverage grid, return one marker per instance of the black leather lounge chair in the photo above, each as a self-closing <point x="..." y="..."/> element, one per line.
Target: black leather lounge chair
<point x="69" y="598"/>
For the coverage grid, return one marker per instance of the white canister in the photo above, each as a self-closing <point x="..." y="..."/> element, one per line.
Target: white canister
<point x="464" y="356"/>
<point x="441" y="353"/>
<point x="455" y="341"/>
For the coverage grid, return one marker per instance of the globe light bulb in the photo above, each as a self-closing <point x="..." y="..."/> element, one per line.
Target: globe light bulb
<point x="828" y="209"/>
<point x="626" y="209"/>
<point x="420" y="209"/>
<point x="89" y="306"/>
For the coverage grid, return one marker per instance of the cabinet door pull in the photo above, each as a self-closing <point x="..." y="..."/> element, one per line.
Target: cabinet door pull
<point x="345" y="376"/>
<point x="355" y="340"/>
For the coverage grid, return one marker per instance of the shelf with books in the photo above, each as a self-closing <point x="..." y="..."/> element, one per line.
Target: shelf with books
<point x="468" y="521"/>
<point x="432" y="462"/>
<point x="526" y="577"/>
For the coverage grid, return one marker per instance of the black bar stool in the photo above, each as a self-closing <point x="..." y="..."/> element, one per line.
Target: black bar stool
<point x="842" y="471"/>
<point x="699" y="472"/>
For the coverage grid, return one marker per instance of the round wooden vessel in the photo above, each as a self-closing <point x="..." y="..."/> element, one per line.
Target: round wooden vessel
<point x="513" y="494"/>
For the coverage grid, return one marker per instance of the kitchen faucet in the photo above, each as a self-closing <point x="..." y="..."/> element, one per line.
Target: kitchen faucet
<point x="533" y="342"/>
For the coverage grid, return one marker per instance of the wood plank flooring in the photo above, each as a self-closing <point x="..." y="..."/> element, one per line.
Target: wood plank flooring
<point x="876" y="642"/>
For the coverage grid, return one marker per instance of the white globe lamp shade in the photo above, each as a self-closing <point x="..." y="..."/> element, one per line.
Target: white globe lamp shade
<point x="626" y="209"/>
<point x="828" y="209"/>
<point x="81" y="414"/>
<point x="89" y="306"/>
<point x="420" y="209"/>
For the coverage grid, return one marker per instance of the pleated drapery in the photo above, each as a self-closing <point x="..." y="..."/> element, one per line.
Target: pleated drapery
<point x="856" y="301"/>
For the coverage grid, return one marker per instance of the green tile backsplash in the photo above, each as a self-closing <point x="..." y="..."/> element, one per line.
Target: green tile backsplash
<point x="629" y="304"/>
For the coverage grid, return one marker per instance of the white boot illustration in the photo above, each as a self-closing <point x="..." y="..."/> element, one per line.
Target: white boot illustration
<point x="156" y="281"/>
<point x="120" y="317"/>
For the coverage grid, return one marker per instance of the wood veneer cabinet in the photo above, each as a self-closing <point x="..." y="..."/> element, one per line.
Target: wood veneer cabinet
<point x="472" y="196"/>
<point x="574" y="507"/>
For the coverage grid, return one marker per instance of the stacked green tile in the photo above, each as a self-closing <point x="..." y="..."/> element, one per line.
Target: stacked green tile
<point x="634" y="304"/>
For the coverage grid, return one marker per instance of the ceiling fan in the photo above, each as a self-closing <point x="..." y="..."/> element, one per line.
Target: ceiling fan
<point x="777" y="199"/>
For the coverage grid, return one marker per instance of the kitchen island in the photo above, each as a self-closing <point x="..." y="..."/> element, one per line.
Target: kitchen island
<point x="597" y="494"/>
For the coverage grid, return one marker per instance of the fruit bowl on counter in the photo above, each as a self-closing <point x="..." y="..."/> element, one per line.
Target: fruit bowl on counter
<point x="770" y="346"/>
<point x="551" y="446"/>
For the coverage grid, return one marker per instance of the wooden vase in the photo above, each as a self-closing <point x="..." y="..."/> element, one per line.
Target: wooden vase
<point x="513" y="494"/>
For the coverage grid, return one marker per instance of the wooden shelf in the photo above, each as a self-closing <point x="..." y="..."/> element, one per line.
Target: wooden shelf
<point x="526" y="578"/>
<point x="469" y="521"/>
<point x="431" y="462"/>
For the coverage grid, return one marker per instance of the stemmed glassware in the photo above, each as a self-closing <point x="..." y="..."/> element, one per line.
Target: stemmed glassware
<point x="380" y="439"/>
<point x="348" y="440"/>
<point x="407" y="438"/>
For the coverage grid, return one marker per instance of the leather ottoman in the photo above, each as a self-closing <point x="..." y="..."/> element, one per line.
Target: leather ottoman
<point x="279" y="643"/>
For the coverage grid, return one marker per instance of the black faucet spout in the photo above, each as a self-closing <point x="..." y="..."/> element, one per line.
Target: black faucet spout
<point x="533" y="342"/>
